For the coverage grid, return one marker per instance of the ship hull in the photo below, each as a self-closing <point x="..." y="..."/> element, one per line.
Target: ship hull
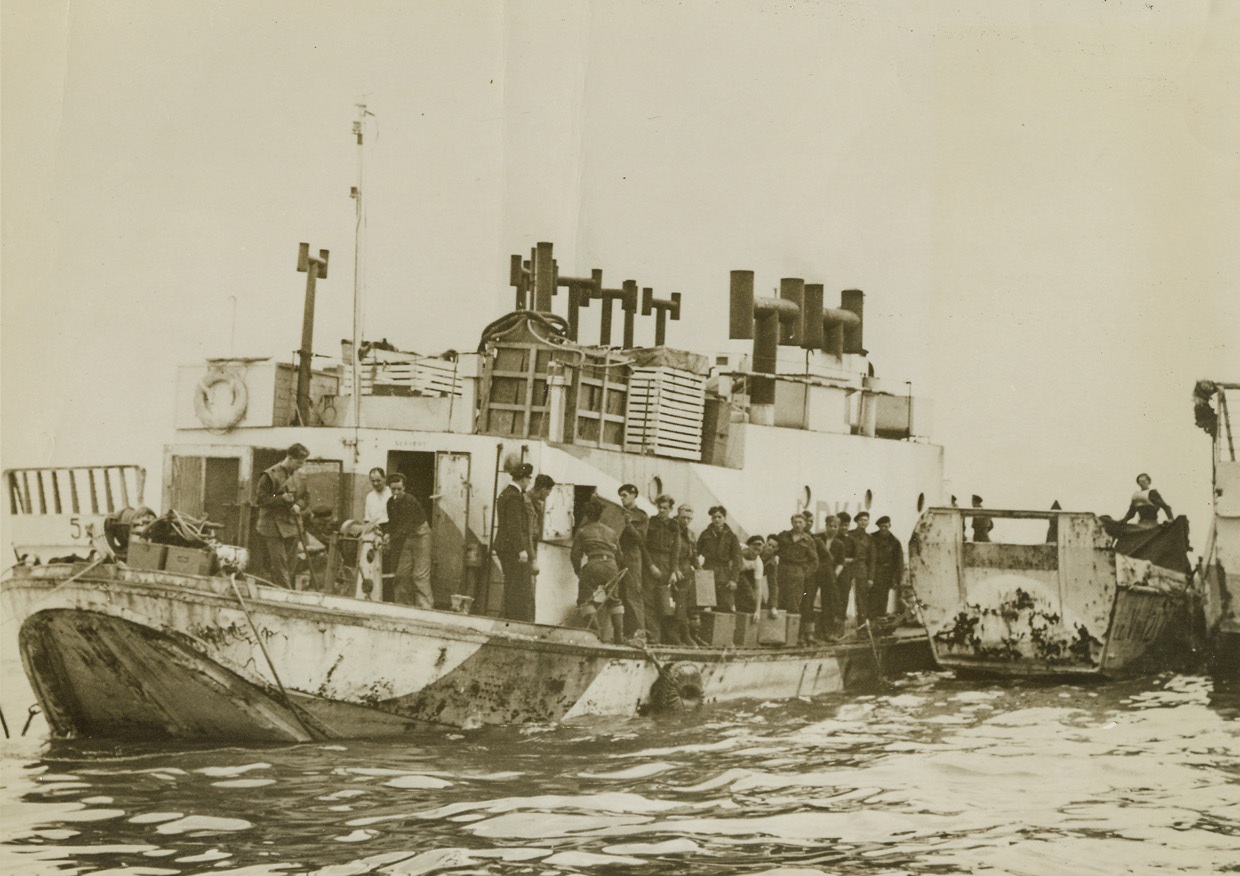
<point x="114" y="652"/>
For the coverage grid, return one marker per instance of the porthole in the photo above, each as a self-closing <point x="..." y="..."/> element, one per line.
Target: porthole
<point x="806" y="495"/>
<point x="869" y="499"/>
<point x="921" y="502"/>
<point x="655" y="488"/>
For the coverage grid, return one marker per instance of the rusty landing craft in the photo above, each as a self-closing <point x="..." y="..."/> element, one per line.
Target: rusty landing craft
<point x="1055" y="594"/>
<point x="176" y="637"/>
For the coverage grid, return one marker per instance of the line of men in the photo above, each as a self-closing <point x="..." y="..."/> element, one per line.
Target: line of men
<point x="637" y="585"/>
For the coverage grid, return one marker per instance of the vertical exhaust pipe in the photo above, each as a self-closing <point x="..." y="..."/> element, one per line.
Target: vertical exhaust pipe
<point x="854" y="300"/>
<point x="740" y="311"/>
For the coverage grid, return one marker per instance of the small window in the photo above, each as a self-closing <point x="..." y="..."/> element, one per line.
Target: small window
<point x="869" y="499"/>
<point x="921" y="502"/>
<point x="655" y="488"/>
<point x="806" y="495"/>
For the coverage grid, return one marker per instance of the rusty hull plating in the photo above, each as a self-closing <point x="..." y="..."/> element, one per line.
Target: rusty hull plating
<point x="1071" y="607"/>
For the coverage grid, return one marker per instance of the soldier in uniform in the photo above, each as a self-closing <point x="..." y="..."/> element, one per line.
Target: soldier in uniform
<point x="282" y="499"/>
<point x="798" y="561"/>
<point x="663" y="544"/>
<point x="720" y="550"/>
<point x="513" y="545"/>
<point x="685" y="619"/>
<point x="888" y="556"/>
<point x="862" y="566"/>
<point x="824" y="586"/>
<point x="635" y="557"/>
<point x="593" y="555"/>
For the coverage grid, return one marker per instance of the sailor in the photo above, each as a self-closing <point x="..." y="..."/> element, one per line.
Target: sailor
<point x="749" y="582"/>
<point x="685" y="620"/>
<point x="635" y="558"/>
<point x="720" y="551"/>
<point x="536" y="501"/>
<point x="663" y="544"/>
<point x="798" y="561"/>
<point x="593" y="555"/>
<point x="513" y="546"/>
<point x="888" y="556"/>
<point x="857" y="570"/>
<point x="770" y="566"/>
<point x="282" y="498"/>
<point x="981" y="525"/>
<point x="409" y="539"/>
<point x="823" y="587"/>
<point x="1145" y="504"/>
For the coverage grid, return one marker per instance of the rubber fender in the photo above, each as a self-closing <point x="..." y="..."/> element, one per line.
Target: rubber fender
<point x="678" y="686"/>
<point x="220" y="400"/>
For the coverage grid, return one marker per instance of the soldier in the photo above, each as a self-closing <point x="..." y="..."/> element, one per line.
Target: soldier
<point x="663" y="544"/>
<point x="635" y="557"/>
<point x="824" y="586"/>
<point x="685" y="620"/>
<point x="535" y="504"/>
<point x="593" y="555"/>
<point x="513" y="545"/>
<point x="888" y="556"/>
<point x="721" y="554"/>
<point x="749" y="589"/>
<point x="409" y="537"/>
<point x="862" y="565"/>
<point x="798" y="560"/>
<point x="282" y="498"/>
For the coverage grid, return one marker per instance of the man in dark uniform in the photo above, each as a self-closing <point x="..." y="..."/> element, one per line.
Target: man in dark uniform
<point x="536" y="503"/>
<point x="663" y="544"/>
<point x="685" y="620"/>
<point x="593" y="555"/>
<point x="635" y="557"/>
<point x="981" y="525"/>
<point x="281" y="500"/>
<point x="888" y="556"/>
<point x="798" y="561"/>
<point x="720" y="550"/>
<point x="409" y="541"/>
<point x="824" y="580"/>
<point x="862" y="565"/>
<point x="513" y="547"/>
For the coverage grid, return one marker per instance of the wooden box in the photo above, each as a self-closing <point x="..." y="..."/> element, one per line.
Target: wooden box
<point x="773" y="630"/>
<point x="144" y="555"/>
<point x="704" y="588"/>
<point x="663" y="414"/>
<point x="794" y="630"/>
<point x="746" y="631"/>
<point x="188" y="561"/>
<point x="718" y="629"/>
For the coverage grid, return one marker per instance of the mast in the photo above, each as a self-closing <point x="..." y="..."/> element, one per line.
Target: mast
<point x="358" y="276"/>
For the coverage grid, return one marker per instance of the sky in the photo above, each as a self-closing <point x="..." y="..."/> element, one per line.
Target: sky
<point x="1041" y="201"/>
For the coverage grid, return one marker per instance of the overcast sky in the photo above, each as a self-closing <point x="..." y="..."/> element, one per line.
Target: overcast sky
<point x="1040" y="200"/>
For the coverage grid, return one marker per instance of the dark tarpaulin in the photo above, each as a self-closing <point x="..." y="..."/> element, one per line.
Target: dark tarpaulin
<point x="1165" y="544"/>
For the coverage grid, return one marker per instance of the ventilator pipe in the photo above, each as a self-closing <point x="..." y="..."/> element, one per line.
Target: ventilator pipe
<point x="813" y="334"/>
<point x="834" y="321"/>
<point x="793" y="289"/>
<point x="544" y="277"/>
<point x="853" y="300"/>
<point x="740" y="310"/>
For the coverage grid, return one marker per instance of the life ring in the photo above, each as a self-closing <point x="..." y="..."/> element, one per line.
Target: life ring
<point x="678" y="686"/>
<point x="220" y="400"/>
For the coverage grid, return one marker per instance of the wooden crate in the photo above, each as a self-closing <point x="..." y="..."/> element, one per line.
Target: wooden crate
<point x="718" y="629"/>
<point x="773" y="630"/>
<point x="746" y="631"/>
<point x="704" y="588"/>
<point x="144" y="555"/>
<point x="664" y="412"/>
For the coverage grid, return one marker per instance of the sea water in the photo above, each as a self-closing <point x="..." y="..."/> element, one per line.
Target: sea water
<point x="925" y="774"/>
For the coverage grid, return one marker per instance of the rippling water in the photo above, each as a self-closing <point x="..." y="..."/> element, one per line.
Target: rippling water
<point x="928" y="774"/>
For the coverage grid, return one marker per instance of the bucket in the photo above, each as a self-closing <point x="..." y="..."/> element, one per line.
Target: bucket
<point x="461" y="604"/>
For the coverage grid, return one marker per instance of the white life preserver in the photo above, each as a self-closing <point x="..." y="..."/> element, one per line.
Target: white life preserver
<point x="220" y="400"/>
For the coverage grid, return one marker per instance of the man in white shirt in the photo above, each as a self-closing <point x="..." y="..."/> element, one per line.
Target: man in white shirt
<point x="370" y="548"/>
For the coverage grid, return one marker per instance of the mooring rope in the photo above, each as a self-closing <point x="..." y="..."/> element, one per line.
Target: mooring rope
<point x="258" y="638"/>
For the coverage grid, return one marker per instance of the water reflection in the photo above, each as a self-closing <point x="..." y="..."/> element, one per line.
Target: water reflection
<point x="927" y="775"/>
